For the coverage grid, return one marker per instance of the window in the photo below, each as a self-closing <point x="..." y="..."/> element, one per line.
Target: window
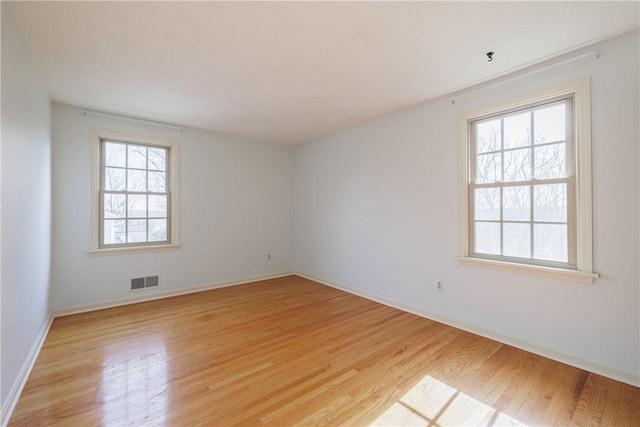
<point x="526" y="184"/>
<point x="135" y="203"/>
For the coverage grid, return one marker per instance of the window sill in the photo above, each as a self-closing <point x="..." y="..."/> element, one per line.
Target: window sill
<point x="532" y="270"/>
<point x="134" y="250"/>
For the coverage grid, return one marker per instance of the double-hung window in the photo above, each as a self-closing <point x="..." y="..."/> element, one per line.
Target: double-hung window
<point x="525" y="189"/>
<point x="135" y="203"/>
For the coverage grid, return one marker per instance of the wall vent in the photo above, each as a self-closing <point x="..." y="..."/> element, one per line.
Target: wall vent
<point x="151" y="282"/>
<point x="137" y="283"/>
<point x="144" y="282"/>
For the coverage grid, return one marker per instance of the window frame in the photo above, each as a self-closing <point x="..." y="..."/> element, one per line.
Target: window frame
<point x="580" y="205"/>
<point x="97" y="162"/>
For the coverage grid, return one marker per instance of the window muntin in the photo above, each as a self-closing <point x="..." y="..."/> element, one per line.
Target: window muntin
<point x="522" y="186"/>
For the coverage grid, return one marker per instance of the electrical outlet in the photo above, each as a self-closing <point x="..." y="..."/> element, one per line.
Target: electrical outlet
<point x="268" y="256"/>
<point x="440" y="286"/>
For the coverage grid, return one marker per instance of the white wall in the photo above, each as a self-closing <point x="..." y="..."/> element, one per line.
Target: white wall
<point x="26" y="207"/>
<point x="236" y="206"/>
<point x="376" y="212"/>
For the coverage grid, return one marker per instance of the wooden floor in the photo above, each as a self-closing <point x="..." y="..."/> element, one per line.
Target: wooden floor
<point x="290" y="351"/>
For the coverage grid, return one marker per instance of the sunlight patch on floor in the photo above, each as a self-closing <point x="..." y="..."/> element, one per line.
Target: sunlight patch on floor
<point x="433" y="403"/>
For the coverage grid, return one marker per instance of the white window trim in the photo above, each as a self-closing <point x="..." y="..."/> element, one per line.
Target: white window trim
<point x="581" y="91"/>
<point x="174" y="160"/>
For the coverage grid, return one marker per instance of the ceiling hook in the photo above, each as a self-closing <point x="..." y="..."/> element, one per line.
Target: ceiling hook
<point x="490" y="56"/>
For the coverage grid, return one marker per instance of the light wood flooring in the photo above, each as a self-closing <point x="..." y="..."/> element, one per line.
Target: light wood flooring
<point x="290" y="351"/>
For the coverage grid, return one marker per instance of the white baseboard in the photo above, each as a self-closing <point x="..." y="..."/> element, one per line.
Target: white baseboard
<point x="162" y="294"/>
<point x="623" y="376"/>
<point x="18" y="386"/>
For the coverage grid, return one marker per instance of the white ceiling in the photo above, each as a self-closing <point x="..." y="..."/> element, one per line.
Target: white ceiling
<point x="289" y="72"/>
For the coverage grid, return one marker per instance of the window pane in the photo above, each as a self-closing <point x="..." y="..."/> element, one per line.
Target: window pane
<point x="487" y="238"/>
<point x="137" y="206"/>
<point x="550" y="161"/>
<point x="114" y="179"/>
<point x="487" y="203"/>
<point x="114" y="231"/>
<point x="157" y="230"/>
<point x="137" y="180"/>
<point x="488" y="168"/>
<point x="137" y="231"/>
<point x="517" y="130"/>
<point x="137" y="157"/>
<point x="157" y="206"/>
<point x="115" y="154"/>
<point x="157" y="159"/>
<point x="115" y="206"/>
<point x="549" y="124"/>
<point x="550" y="202"/>
<point x="550" y="242"/>
<point x="488" y="136"/>
<point x="157" y="182"/>
<point x="517" y="165"/>
<point x="516" y="203"/>
<point x="517" y="240"/>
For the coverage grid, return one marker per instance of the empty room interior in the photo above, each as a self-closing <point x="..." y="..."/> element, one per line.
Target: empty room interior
<point x="320" y="213"/>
